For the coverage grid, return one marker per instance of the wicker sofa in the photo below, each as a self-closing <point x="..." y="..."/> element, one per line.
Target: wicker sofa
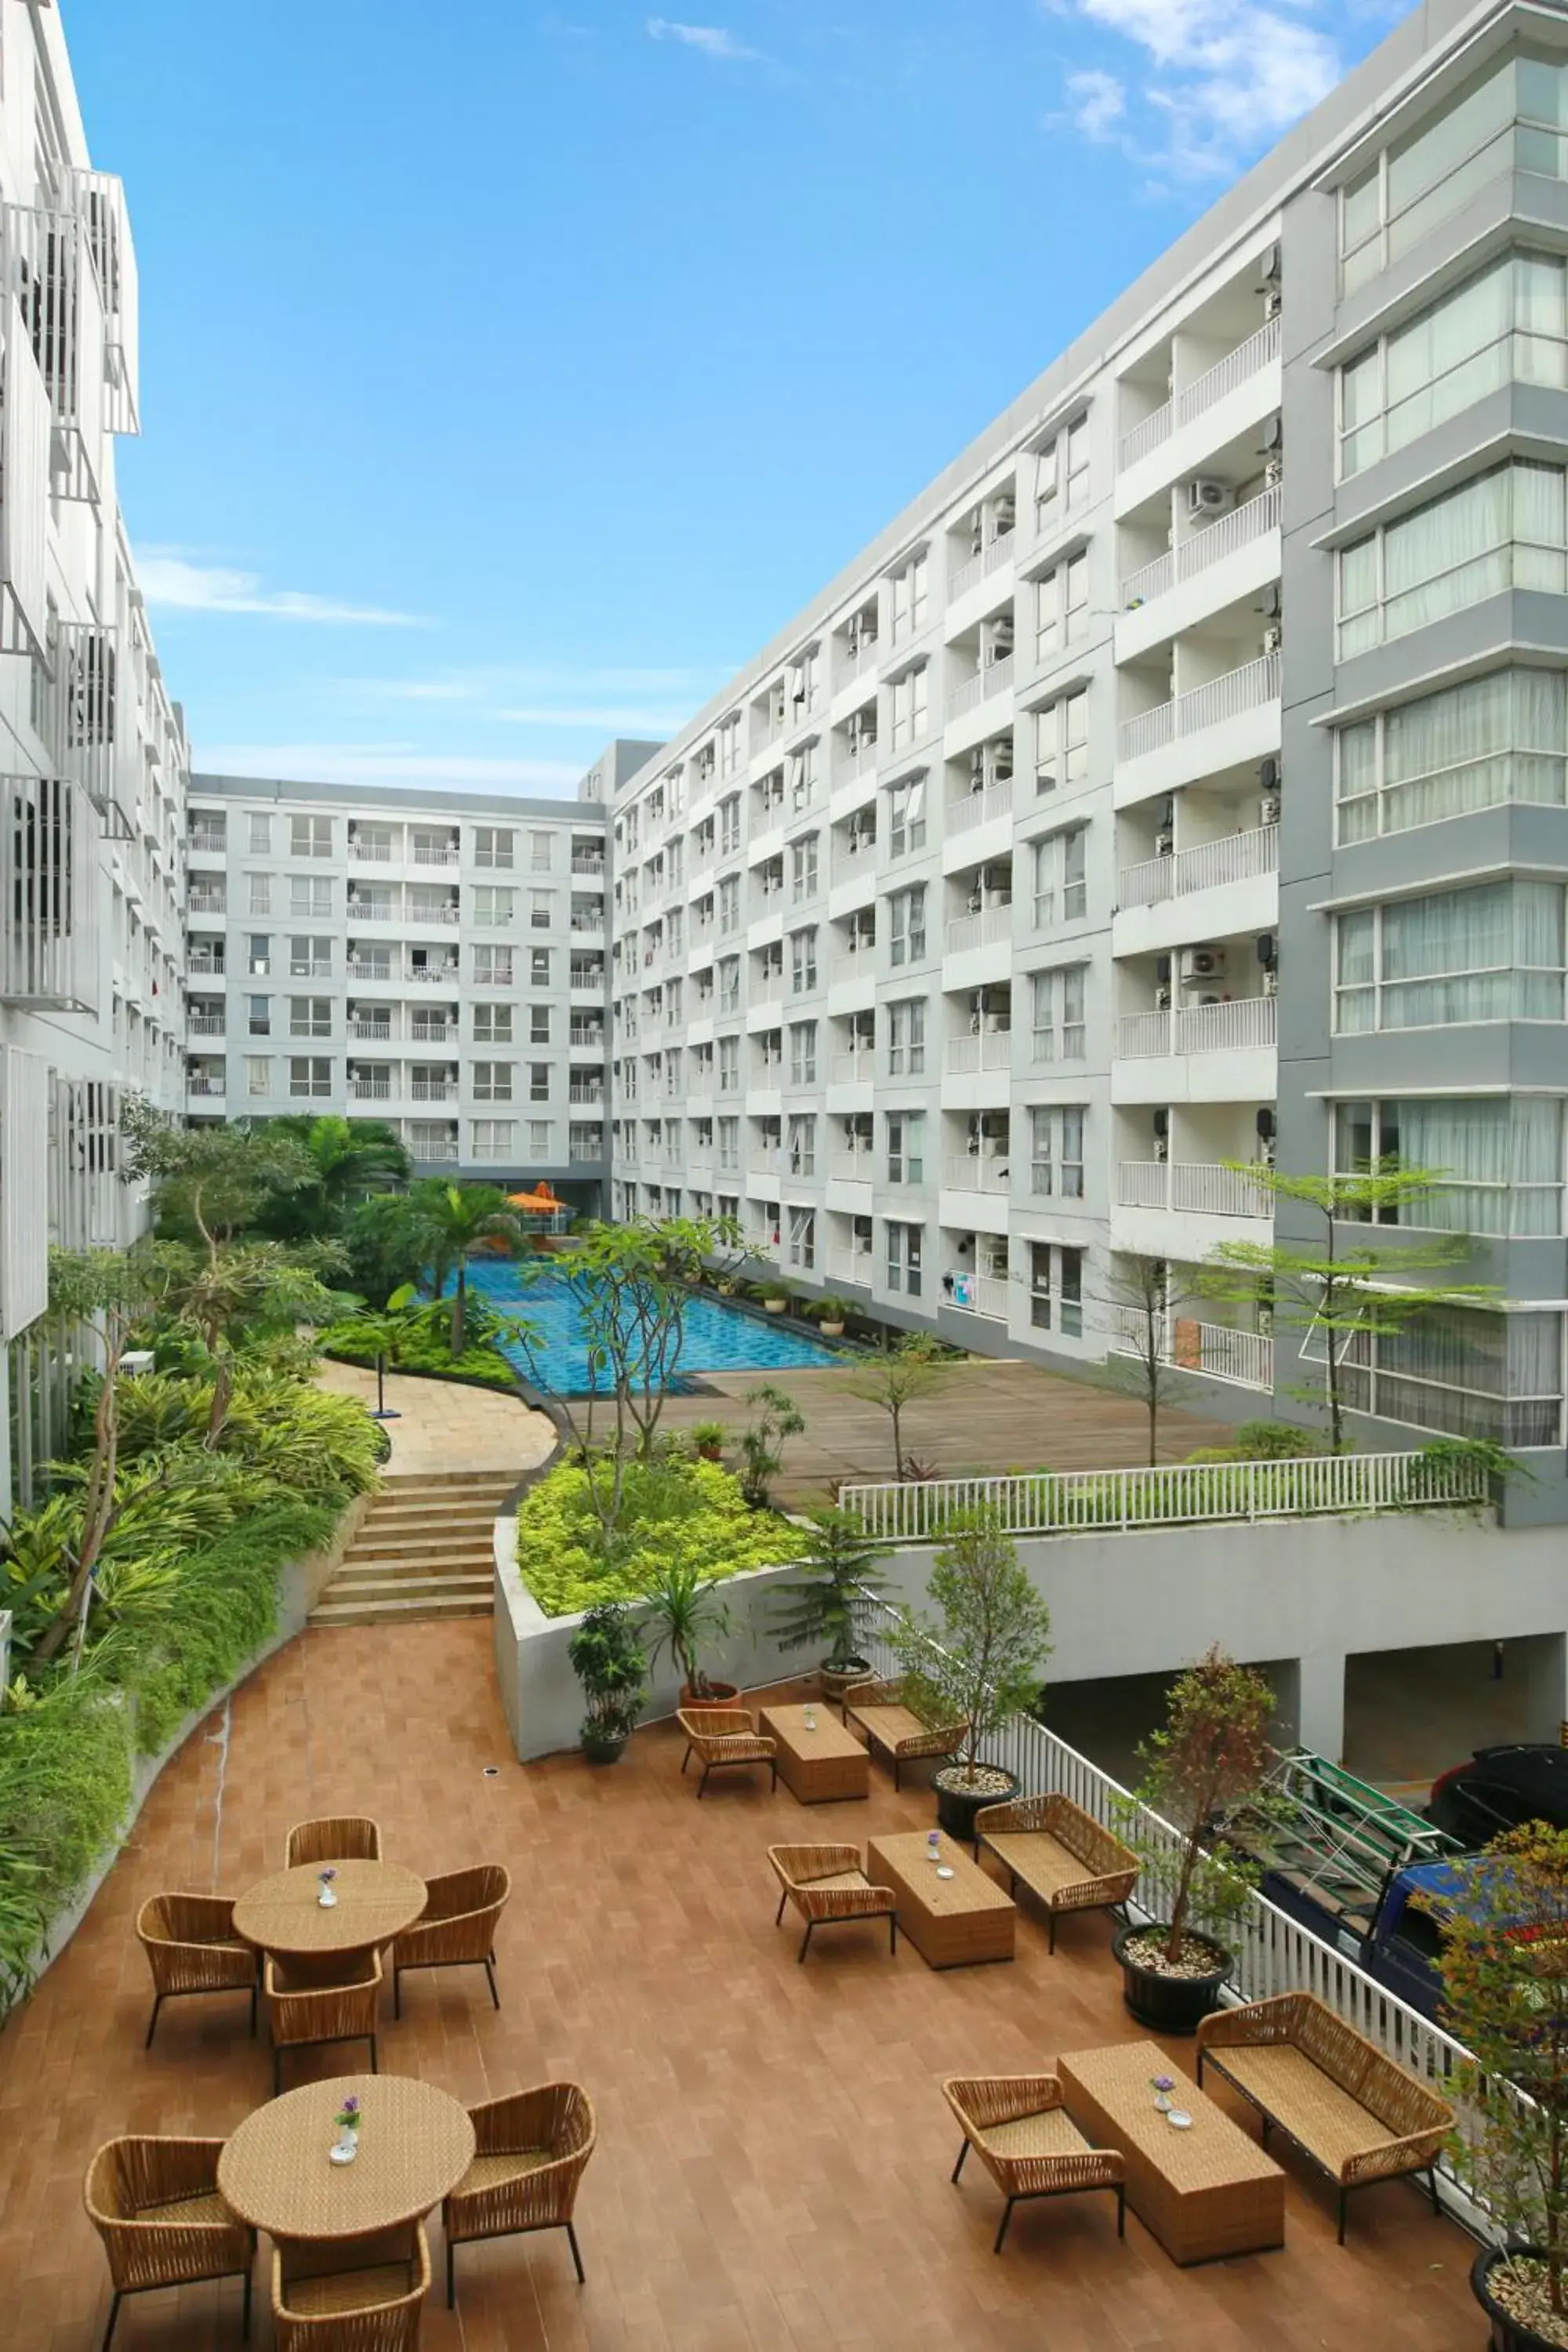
<point x="1060" y="1853"/>
<point x="1346" y="2106"/>
<point x="888" y="1721"/>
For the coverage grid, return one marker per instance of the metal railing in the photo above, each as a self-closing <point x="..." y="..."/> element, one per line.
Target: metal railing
<point x="975" y="1172"/>
<point x="980" y="1294"/>
<point x="1204" y="1189"/>
<point x="364" y="910"/>
<point x="205" y="1024"/>
<point x="992" y="678"/>
<point x="211" y="844"/>
<point x="370" y="853"/>
<point x="1216" y="1350"/>
<point x="992" y="1050"/>
<point x="990" y="928"/>
<point x="975" y="808"/>
<point x="1234" y="857"/>
<point x="371" y="1089"/>
<point x="1232" y="1026"/>
<point x="1223" y="698"/>
<point x="1195" y="555"/>
<point x="1201" y="394"/>
<point x="856" y="1068"/>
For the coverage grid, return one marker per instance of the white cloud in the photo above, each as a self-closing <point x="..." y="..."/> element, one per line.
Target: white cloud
<point x="614" y="701"/>
<point x="388" y="763"/>
<point x="172" y="580"/>
<point x="1224" y="79"/>
<point x="712" y="40"/>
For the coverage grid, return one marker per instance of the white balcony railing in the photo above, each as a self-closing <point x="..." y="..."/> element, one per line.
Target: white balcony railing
<point x="855" y="963"/>
<point x="370" y="853"/>
<point x="377" y="1031"/>
<point x="993" y="678"/>
<point x="1235" y="1026"/>
<point x="1244" y="1358"/>
<point x="445" y="856"/>
<point x="980" y="567"/>
<point x="1201" y="393"/>
<point x="436" y="1091"/>
<point x="205" y="1024"/>
<point x="852" y="1167"/>
<point x="432" y="1032"/>
<point x="208" y="964"/>
<point x="205" y="902"/>
<point x="976" y="1172"/>
<point x="579" y="1094"/>
<point x="1206" y="547"/>
<point x="445" y="975"/>
<point x="367" y="910"/>
<point x="1223" y="698"/>
<point x="1195" y="1186"/>
<point x="855" y="1068"/>
<point x="204" y="1083"/>
<point x="421" y="913"/>
<point x="433" y="1151"/>
<point x="992" y="1050"/>
<point x="1234" y="857"/>
<point x="990" y="928"/>
<point x="977" y="808"/>
<point x="980" y="1294"/>
<point x="207" y="845"/>
<point x="371" y="1089"/>
<point x="850" y="1265"/>
<point x="1140" y="1036"/>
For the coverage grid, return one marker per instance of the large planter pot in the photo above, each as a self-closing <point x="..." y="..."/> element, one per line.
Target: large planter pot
<point x="831" y="1330"/>
<point x="1169" y="2004"/>
<point x="603" y="1746"/>
<point x="957" y="1807"/>
<point x="716" y="1694"/>
<point x="1508" y="2334"/>
<point x="774" y="1306"/>
<point x="838" y="1674"/>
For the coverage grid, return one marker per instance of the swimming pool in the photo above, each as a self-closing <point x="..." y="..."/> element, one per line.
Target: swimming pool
<point x="717" y="1337"/>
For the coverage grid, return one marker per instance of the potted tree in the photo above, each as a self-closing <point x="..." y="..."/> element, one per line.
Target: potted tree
<point x="609" y="1660"/>
<point x="837" y="1573"/>
<point x="1505" y="1997"/>
<point x="682" y="1614"/>
<point x="982" y="1662"/>
<point x="1211" y="1755"/>
<point x="831" y="1313"/>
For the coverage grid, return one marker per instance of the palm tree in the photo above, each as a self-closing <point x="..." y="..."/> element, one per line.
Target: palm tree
<point x="460" y="1216"/>
<point x="350" y="1159"/>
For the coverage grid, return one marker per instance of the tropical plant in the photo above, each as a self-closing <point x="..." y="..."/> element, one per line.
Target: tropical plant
<point x="985" y="1657"/>
<point x="460" y="1217"/>
<point x="212" y="1182"/>
<point x="837" y="1575"/>
<point x="609" y="1662"/>
<point x="912" y="1368"/>
<point x="683" y="1614"/>
<point x="676" y="1510"/>
<point x="705" y="1439"/>
<point x="349" y="1158"/>
<point x="773" y="1415"/>
<point x="388" y="1241"/>
<point x="222" y="1294"/>
<point x="1210" y="1757"/>
<point x="829" y="1310"/>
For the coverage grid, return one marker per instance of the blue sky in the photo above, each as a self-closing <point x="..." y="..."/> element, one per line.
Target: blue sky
<point x="510" y="374"/>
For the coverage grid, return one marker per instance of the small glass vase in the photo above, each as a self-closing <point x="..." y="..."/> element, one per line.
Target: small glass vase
<point x="1161" y="2102"/>
<point x="345" y="2148"/>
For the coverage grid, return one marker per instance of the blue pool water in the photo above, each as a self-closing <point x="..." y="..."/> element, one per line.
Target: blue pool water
<point x="719" y="1337"/>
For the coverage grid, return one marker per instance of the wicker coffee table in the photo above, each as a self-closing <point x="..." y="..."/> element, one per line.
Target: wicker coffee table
<point x="283" y="1914"/>
<point x="1204" y="2192"/>
<point x="820" y="1767"/>
<point x="415" y="2143"/>
<point x="952" y="1921"/>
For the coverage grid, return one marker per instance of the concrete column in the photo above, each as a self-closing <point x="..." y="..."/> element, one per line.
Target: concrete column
<point x="1312" y="1704"/>
<point x="8" y="1475"/>
<point x="1546" y="1686"/>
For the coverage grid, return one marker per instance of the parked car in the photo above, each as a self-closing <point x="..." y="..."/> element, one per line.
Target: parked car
<point x="1498" y="1789"/>
<point x="1402" y="1946"/>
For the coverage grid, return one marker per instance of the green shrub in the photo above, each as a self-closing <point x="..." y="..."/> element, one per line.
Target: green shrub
<point x="675" y="1512"/>
<point x="1262" y="1441"/>
<point x="422" y="1352"/>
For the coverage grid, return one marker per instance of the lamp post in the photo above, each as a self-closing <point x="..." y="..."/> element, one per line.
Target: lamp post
<point x="384" y="1412"/>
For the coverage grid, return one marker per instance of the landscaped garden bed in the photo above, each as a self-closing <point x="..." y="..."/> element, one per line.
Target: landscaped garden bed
<point x="673" y="1513"/>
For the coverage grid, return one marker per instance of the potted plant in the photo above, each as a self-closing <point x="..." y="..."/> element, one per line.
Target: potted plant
<point x="607" y="1660"/>
<point x="1211" y="1755"/>
<point x="982" y="1662"/>
<point x="707" y="1440"/>
<point x="775" y="1296"/>
<point x="1505" y="1996"/>
<point x="682" y="1613"/>
<point x="837" y="1575"/>
<point x="831" y="1313"/>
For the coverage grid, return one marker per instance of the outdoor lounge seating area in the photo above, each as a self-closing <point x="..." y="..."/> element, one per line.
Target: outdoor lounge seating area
<point x="738" y="2193"/>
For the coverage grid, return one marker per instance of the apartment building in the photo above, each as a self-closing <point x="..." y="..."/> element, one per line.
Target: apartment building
<point x="93" y="841"/>
<point x="1180" y="782"/>
<point x="431" y="959"/>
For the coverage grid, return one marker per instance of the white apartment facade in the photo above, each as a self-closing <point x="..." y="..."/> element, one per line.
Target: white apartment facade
<point x="1180" y="780"/>
<point x="95" y="761"/>
<point x="435" y="960"/>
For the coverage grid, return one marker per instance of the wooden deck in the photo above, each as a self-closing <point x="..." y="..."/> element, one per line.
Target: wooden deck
<point x="771" y="2173"/>
<point x="987" y="1417"/>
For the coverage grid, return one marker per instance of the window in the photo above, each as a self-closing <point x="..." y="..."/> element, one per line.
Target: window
<point x="541" y="1138"/>
<point x="1500" y="1158"/>
<point x="489" y="906"/>
<point x="907" y="925"/>
<point x="541" y="910"/>
<point x="728" y="1144"/>
<point x="729" y="1065"/>
<point x="310" y="893"/>
<point x="493" y="1138"/>
<point x="538" y="1082"/>
<point x="1061" y="607"/>
<point x="906" y="1037"/>
<point x="538" y="1024"/>
<point x="803" y="1053"/>
<point x="492" y="967"/>
<point x="1465" y="1372"/>
<point x="1061" y="484"/>
<point x="309" y="836"/>
<point x="1497" y="738"/>
<point x="803" y="770"/>
<point x="259" y="1016"/>
<point x="1506" y="530"/>
<point x="906" y="1251"/>
<point x="1054" y="1267"/>
<point x="906" y="815"/>
<point x="1061" y="744"/>
<point x="258" y="955"/>
<point x="309" y="1017"/>
<point x="910" y="696"/>
<point x="906" y="1147"/>
<point x="730" y="904"/>
<point x="802" y="1146"/>
<point x="1059" y="1024"/>
<point x="1056" y="1150"/>
<point x="1061" y="890"/>
<point x="492" y="1082"/>
<point x="909" y="597"/>
<point x="540" y="854"/>
<point x="492" y="1024"/>
<point x="260" y="842"/>
<point x="730" y="823"/>
<point x="310" y="1079"/>
<point x="261" y="893"/>
<point x="1491" y="953"/>
<point x="802" y="1245"/>
<point x="492" y="847"/>
<point x="539" y="967"/>
<point x="258" y="1074"/>
<point x="803" y="962"/>
<point x="803" y="867"/>
<point x="310" y="958"/>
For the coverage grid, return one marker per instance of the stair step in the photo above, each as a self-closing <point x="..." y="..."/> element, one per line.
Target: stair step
<point x="412" y="1482"/>
<point x="402" y="1587"/>
<point x="381" y="1613"/>
<point x="400" y="1540"/>
<point x="414" y="1523"/>
<point x="470" y="1563"/>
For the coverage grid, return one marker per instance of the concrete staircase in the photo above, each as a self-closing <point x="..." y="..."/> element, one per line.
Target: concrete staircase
<point x="424" y="1549"/>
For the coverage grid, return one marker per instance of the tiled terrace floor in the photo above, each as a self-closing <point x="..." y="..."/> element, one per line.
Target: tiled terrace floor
<point x="773" y="2158"/>
<point x="447" y="1425"/>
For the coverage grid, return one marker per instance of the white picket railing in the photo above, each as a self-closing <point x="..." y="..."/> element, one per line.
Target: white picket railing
<point x="1231" y="1027"/>
<point x="1209" y="546"/>
<point x="1178" y="1493"/>
<point x="853" y="1068"/>
<point x="989" y="928"/>
<point x="1201" y="393"/>
<point x="994" y="677"/>
<point x="1244" y="688"/>
<point x="975" y="1173"/>
<point x="992" y="1050"/>
<point x="1232" y="858"/>
<point x="975" y="808"/>
<point x="1214" y="1191"/>
<point x="1216" y="1350"/>
<point x="850" y="1265"/>
<point x="1140" y="1036"/>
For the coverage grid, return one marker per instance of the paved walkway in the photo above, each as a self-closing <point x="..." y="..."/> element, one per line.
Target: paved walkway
<point x="446" y="1426"/>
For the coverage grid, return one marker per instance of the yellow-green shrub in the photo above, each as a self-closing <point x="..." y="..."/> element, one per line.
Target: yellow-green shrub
<point x="672" y="1511"/>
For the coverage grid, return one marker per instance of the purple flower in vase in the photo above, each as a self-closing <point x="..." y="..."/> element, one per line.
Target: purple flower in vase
<point x="1163" y="2082"/>
<point x="327" y="1876"/>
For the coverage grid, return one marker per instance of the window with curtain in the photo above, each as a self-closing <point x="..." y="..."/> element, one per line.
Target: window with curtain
<point x="1491" y="953"/>
<point x="1499" y="1158"/>
<point x="1466" y="1372"/>
<point x="1507" y="529"/>
<point x="1507" y="324"/>
<point x="1493" y="740"/>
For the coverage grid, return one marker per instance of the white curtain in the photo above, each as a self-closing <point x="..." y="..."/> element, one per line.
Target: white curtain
<point x="1446" y="958"/>
<point x="1452" y="354"/>
<point x="1495" y="739"/>
<point x="1501" y="1160"/>
<point x="1451" y="552"/>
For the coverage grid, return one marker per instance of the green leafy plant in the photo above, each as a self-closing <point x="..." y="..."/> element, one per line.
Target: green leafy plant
<point x="609" y="1662"/>
<point x="460" y="1218"/>
<point x="346" y="1159"/>
<point x="674" y="1511"/>
<point x="1211" y="1757"/>
<point x="705" y="1439"/>
<point x="913" y="1367"/>
<point x="837" y="1575"/>
<point x="683" y="1614"/>
<point x="829" y="1310"/>
<point x="985" y="1656"/>
<point x="772" y="1416"/>
<point x="1263" y="1441"/>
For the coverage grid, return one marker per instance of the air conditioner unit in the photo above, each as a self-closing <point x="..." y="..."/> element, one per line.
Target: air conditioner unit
<point x="1273" y="639"/>
<point x="1269" y="604"/>
<point x="1201" y="963"/>
<point x="1206" y="497"/>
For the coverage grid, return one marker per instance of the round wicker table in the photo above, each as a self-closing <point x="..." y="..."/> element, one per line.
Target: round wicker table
<point x="284" y="1913"/>
<point x="415" y="2143"/>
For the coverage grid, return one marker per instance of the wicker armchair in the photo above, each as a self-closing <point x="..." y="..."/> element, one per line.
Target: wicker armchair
<point x="884" y="1715"/>
<point x="190" y="1947"/>
<point x="304" y="2014"/>
<point x="531" y="2152"/>
<point x="338" y="1837"/>
<point x="154" y="2203"/>
<point x="457" y="1928"/>
<point x="1023" y="2136"/>
<point x="720" y="1735"/>
<point x="1060" y="1852"/>
<point x="1350" y="2108"/>
<point x="363" y="2295"/>
<point x="827" y="1886"/>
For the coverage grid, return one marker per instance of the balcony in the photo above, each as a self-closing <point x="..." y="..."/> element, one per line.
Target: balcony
<point x="370" y="853"/>
<point x="1223" y="698"/>
<point x="207" y="845"/>
<point x="851" y="1167"/>
<point x="585" y="1032"/>
<point x="1232" y="858"/>
<point x="422" y="912"/>
<point x="1245" y="1359"/>
<point x="578" y="1093"/>
<point x="981" y="567"/>
<point x="205" y="902"/>
<point x="371" y="1089"/>
<point x="1243" y="1024"/>
<point x="433" y="1153"/>
<point x="205" y="1083"/>
<point x="582" y="863"/>
<point x="1202" y="550"/>
<point x="979" y="1294"/>
<point x="994" y="677"/>
<point x="992" y="927"/>
<point x="212" y="966"/>
<point x="1191" y="1186"/>
<point x="366" y="910"/>
<point x="432" y="1032"/>
<point x="1201" y="393"/>
<point x="447" y="855"/>
<point x="992" y="1050"/>
<point x="977" y="808"/>
<point x="855" y="1068"/>
<point x="579" y="1152"/>
<point x="852" y="963"/>
<point x="205" y="1024"/>
<point x="445" y="975"/>
<point x="976" y="1172"/>
<point x="852" y="1267"/>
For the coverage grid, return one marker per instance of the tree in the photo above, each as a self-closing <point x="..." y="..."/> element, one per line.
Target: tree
<point x="607" y="1659"/>
<point x="836" y="1575"/>
<point x="985" y="1658"/>
<point x="238" y="1284"/>
<point x="349" y="1158"/>
<point x="388" y="1241"/>
<point x="773" y="1415"/>
<point x="1143" y="1297"/>
<point x="214" y="1181"/>
<point x="1505" y="1997"/>
<point x="1347" y="1291"/>
<point x="1211" y="1754"/>
<point x="900" y="1376"/>
<point x="683" y="1612"/>
<point x="461" y="1216"/>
